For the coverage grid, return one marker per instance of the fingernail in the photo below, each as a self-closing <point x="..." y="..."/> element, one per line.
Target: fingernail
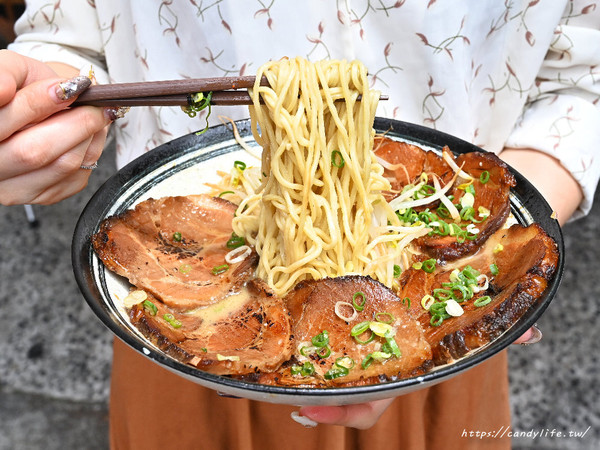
<point x="303" y="420"/>
<point x="70" y="88"/>
<point x="114" y="113"/>
<point x="536" y="336"/>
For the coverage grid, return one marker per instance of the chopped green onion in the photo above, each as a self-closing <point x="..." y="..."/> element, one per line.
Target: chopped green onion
<point x="366" y="362"/>
<point x="336" y="372"/>
<point x="196" y="103"/>
<point x="359" y="328"/>
<point x="172" y="320"/>
<point x="482" y="301"/>
<point x="393" y="348"/>
<point x="406" y="301"/>
<point x="381" y="329"/>
<point x="390" y="317"/>
<point x="365" y="341"/>
<point x="443" y="212"/>
<point x="226" y="192"/>
<point x="177" y="236"/>
<point x="397" y="270"/>
<point x="150" y="307"/>
<point x="427" y="301"/>
<point x="235" y="241"/>
<point x="465" y="291"/>
<point x="305" y="370"/>
<point x="438" y="308"/>
<point x="239" y="165"/>
<point x="428" y="265"/>
<point x="470" y="189"/>
<point x="345" y="361"/>
<point x="494" y="269"/>
<point x="375" y="356"/>
<point x="321" y="339"/>
<point x="436" y="320"/>
<point x="218" y="270"/>
<point x="484" y="177"/>
<point x="306" y="350"/>
<point x="424" y="191"/>
<point x="323" y="352"/>
<point x="471" y="273"/>
<point x="443" y="294"/>
<point x="337" y="159"/>
<point x="340" y="368"/>
<point x="467" y="200"/>
<point x="358" y="305"/>
<point x="467" y="213"/>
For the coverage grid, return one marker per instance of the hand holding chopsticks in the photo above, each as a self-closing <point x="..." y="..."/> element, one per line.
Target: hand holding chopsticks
<point x="226" y="91"/>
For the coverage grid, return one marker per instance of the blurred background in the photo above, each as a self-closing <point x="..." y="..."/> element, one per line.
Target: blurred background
<point x="55" y="355"/>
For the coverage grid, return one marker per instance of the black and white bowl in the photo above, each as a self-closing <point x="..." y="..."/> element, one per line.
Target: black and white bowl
<point x="182" y="167"/>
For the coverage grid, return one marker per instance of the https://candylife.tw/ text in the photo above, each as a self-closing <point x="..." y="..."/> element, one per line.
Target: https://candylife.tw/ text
<point x="534" y="433"/>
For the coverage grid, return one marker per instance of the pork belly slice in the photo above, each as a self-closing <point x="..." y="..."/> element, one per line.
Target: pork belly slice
<point x="492" y="195"/>
<point x="408" y="158"/>
<point x="525" y="264"/>
<point x="409" y="162"/>
<point x="169" y="247"/>
<point x="312" y="309"/>
<point x="245" y="332"/>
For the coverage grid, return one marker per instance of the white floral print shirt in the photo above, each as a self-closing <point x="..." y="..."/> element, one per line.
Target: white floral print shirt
<point x="493" y="72"/>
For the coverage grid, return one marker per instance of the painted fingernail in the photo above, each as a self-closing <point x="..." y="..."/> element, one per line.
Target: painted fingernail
<point x="70" y="88"/>
<point x="536" y="336"/>
<point x="303" y="420"/>
<point x="114" y="113"/>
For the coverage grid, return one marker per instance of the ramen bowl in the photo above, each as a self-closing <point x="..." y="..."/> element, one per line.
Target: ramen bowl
<point x="182" y="167"/>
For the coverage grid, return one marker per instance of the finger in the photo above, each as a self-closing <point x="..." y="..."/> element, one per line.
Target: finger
<point x="531" y="336"/>
<point x="18" y="71"/>
<point x="52" y="183"/>
<point x="361" y="416"/>
<point x="94" y="150"/>
<point x="37" y="101"/>
<point x="41" y="144"/>
<point x="66" y="188"/>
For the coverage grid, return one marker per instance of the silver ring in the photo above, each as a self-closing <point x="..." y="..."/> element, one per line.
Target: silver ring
<point x="92" y="167"/>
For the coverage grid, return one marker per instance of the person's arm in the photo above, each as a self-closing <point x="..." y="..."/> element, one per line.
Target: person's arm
<point x="548" y="175"/>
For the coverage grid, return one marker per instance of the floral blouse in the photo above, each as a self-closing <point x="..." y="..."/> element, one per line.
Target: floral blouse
<point x="496" y="73"/>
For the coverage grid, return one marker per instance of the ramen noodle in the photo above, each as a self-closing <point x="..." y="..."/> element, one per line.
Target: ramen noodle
<point x="319" y="211"/>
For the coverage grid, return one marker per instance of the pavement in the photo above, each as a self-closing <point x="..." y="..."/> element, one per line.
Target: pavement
<point x="55" y="356"/>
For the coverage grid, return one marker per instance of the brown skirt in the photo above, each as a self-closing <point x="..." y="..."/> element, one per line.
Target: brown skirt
<point x="151" y="408"/>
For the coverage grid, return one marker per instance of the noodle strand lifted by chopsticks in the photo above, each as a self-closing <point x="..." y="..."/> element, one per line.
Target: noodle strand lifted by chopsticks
<point x="321" y="200"/>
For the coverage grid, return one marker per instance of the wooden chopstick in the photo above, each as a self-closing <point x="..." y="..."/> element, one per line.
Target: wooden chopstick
<point x="171" y="92"/>
<point x="168" y="87"/>
<point x="223" y="98"/>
